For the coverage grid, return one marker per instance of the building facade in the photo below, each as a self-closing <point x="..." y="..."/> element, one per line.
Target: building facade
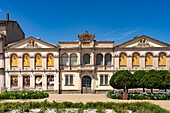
<point x="83" y="66"/>
<point x="10" y="32"/>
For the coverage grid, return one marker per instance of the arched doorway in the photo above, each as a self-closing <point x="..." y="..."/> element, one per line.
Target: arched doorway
<point x="86" y="84"/>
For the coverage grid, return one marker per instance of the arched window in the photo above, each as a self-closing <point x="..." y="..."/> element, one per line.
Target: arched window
<point x="64" y="60"/>
<point x="108" y="59"/>
<point x="26" y="60"/>
<point x="73" y="60"/>
<point x="14" y="60"/>
<point x="136" y="59"/>
<point x="50" y="60"/>
<point x="123" y="59"/>
<point x="162" y="59"/>
<point x="86" y="59"/>
<point x="149" y="59"/>
<point x="38" y="60"/>
<point x="99" y="59"/>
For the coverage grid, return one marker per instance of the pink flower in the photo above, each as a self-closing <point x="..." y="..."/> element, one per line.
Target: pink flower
<point x="53" y="100"/>
<point x="153" y="107"/>
<point x="118" y="105"/>
<point x="100" y="109"/>
<point x="124" y="103"/>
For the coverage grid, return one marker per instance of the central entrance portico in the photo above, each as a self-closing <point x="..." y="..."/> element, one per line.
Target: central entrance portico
<point x="86" y="84"/>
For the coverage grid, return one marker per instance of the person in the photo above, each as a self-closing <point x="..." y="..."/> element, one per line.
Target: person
<point x="38" y="81"/>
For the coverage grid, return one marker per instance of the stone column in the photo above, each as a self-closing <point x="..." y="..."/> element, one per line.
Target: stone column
<point x="56" y="62"/>
<point x="92" y="58"/>
<point x="129" y="62"/>
<point x="1" y="80"/>
<point x="44" y="82"/>
<point x="103" y="59"/>
<point x="116" y="63"/>
<point x="20" y="81"/>
<point x="93" y="85"/>
<point x="68" y="60"/>
<point x="32" y="62"/>
<point x="168" y="62"/>
<point x="155" y="62"/>
<point x="32" y="81"/>
<point x="20" y="63"/>
<point x="142" y="62"/>
<point x="8" y="81"/>
<point x="56" y="82"/>
<point x="44" y="62"/>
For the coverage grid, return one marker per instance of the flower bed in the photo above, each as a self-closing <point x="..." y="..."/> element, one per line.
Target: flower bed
<point x="100" y="107"/>
<point x="24" y="95"/>
<point x="139" y="96"/>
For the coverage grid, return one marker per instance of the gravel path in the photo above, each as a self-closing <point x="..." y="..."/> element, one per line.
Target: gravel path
<point x="90" y="98"/>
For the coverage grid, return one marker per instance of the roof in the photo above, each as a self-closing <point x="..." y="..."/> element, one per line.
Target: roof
<point x="31" y="37"/>
<point x="3" y="22"/>
<point x="138" y="37"/>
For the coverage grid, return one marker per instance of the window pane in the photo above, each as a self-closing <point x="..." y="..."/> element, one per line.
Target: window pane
<point x="86" y="59"/>
<point x="106" y="79"/>
<point x="64" y="60"/>
<point x="71" y="79"/>
<point x="101" y="79"/>
<point x="66" y="79"/>
<point x="99" y="59"/>
<point x="108" y="59"/>
<point x="73" y="59"/>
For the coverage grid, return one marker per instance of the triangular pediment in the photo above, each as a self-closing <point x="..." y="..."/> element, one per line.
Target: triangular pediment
<point x="31" y="43"/>
<point x="143" y="42"/>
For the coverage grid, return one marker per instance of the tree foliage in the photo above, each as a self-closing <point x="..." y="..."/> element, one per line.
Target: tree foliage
<point x="122" y="78"/>
<point x="151" y="79"/>
<point x="139" y="75"/>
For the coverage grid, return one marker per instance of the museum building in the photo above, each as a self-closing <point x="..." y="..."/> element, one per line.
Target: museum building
<point x="83" y="66"/>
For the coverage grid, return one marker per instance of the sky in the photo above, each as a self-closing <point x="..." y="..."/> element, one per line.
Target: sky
<point x="109" y="20"/>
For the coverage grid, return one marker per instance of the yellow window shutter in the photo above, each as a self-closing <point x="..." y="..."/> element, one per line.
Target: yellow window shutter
<point x="125" y="60"/>
<point x="151" y="60"/>
<point x="164" y="60"/>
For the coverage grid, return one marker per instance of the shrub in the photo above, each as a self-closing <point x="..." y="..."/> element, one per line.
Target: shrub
<point x="156" y="96"/>
<point x="24" y="95"/>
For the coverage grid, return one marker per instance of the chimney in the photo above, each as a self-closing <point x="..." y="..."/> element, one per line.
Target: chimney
<point x="135" y="37"/>
<point x="7" y="16"/>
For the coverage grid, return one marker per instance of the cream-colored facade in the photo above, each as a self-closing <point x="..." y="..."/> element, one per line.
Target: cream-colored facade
<point x="83" y="66"/>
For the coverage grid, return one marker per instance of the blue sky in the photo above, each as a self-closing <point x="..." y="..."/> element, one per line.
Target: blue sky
<point x="110" y="20"/>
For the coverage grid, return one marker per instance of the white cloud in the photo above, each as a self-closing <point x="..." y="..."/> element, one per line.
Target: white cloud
<point x="120" y="34"/>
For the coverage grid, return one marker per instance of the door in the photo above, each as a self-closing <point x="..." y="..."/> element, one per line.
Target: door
<point x="86" y="84"/>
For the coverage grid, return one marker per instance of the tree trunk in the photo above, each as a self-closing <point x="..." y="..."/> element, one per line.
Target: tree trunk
<point x="165" y="89"/>
<point x="143" y="90"/>
<point x="127" y="90"/>
<point x="151" y="90"/>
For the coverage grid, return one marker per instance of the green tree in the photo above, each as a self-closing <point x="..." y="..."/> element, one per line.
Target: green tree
<point x="166" y="82"/>
<point x="139" y="75"/>
<point x="122" y="79"/>
<point x="163" y="74"/>
<point x="151" y="80"/>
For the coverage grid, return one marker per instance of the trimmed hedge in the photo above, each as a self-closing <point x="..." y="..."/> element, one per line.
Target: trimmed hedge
<point x="24" y="95"/>
<point x="118" y="107"/>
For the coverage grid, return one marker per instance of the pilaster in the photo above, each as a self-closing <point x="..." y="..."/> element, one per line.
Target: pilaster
<point x="155" y="62"/>
<point x="32" y="81"/>
<point x="142" y="62"/>
<point x="56" y="82"/>
<point x="20" y="81"/>
<point x="44" y="82"/>
<point x="129" y="62"/>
